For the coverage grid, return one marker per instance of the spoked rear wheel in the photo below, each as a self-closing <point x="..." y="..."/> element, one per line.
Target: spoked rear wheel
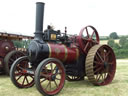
<point x="100" y="65"/>
<point x="50" y="77"/>
<point x="21" y="73"/>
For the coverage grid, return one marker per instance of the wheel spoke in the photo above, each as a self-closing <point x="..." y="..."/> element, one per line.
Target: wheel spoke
<point x="45" y="75"/>
<point x="84" y="39"/>
<point x="23" y="80"/>
<point x="16" y="57"/>
<point x="95" y="66"/>
<point x="57" y="78"/>
<point x="102" y="76"/>
<point x="48" y="85"/>
<point x="46" y="70"/>
<point x="104" y="57"/>
<point x="27" y="80"/>
<point x="26" y="65"/>
<point x="101" y="73"/>
<point x="100" y="57"/>
<point x="97" y="58"/>
<point x="109" y="74"/>
<point x="97" y="75"/>
<point x="85" y="48"/>
<point x="98" y="69"/>
<point x="72" y="77"/>
<point x="108" y="53"/>
<point x="31" y="77"/>
<point x="19" y="77"/>
<point x="19" y="73"/>
<point x="55" y="83"/>
<point x="98" y="78"/>
<point x="12" y="60"/>
<point x="51" y="67"/>
<point x="58" y="73"/>
<point x="20" y="68"/>
<point x="94" y="41"/>
<point x="87" y="32"/>
<point x="54" y="68"/>
<point x="105" y="74"/>
<point x="98" y="63"/>
<point x="110" y="63"/>
<point x="92" y="34"/>
<point x="43" y="80"/>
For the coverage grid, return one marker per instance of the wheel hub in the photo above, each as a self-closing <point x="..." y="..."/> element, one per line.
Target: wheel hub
<point x="106" y="65"/>
<point x="53" y="77"/>
<point x="89" y="39"/>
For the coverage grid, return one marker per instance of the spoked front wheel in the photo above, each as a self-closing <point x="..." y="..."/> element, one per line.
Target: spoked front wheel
<point x="21" y="73"/>
<point x="50" y="77"/>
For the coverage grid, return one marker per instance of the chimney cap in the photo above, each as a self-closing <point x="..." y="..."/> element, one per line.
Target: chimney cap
<point x="40" y="3"/>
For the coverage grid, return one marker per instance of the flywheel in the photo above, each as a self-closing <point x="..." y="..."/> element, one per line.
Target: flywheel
<point x="87" y="38"/>
<point x="100" y="65"/>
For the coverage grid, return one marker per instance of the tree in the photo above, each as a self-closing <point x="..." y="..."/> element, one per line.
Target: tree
<point x="111" y="42"/>
<point x="113" y="35"/>
<point x="123" y="41"/>
<point x="125" y="46"/>
<point x="116" y="46"/>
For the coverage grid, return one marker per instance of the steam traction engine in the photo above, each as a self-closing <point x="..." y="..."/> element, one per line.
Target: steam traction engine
<point x="52" y="56"/>
<point x="8" y="52"/>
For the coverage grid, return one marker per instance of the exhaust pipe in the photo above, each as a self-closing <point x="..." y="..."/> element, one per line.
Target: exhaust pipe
<point x="39" y="21"/>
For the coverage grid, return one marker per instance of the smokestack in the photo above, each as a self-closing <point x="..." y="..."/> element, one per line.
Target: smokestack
<point x="39" y="20"/>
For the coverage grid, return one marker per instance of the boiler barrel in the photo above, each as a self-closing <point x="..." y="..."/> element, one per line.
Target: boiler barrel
<point x="63" y="53"/>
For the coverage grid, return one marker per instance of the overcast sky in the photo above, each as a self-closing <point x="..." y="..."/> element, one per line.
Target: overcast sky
<point x="18" y="16"/>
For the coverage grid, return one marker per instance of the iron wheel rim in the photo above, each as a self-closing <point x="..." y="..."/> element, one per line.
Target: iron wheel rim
<point x="18" y="73"/>
<point x="46" y="76"/>
<point x="101" y="69"/>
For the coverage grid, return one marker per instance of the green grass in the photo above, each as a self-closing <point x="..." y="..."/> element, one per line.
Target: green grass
<point x="118" y="87"/>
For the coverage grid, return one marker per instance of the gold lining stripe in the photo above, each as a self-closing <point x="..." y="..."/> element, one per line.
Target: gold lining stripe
<point x="66" y="53"/>
<point x="49" y="50"/>
<point x="77" y="53"/>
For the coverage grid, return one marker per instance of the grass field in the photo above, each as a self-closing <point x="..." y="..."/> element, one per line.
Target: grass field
<point x="105" y="41"/>
<point x="118" y="87"/>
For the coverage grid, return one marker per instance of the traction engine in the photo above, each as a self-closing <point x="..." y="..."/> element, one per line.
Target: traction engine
<point x="54" y="56"/>
<point x="8" y="51"/>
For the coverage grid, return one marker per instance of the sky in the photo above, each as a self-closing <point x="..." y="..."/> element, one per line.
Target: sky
<point x="18" y="16"/>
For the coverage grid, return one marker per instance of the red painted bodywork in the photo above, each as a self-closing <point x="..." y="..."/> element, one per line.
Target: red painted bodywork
<point x="63" y="53"/>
